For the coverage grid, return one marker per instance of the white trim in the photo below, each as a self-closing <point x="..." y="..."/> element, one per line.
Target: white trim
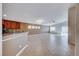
<point x="19" y="53"/>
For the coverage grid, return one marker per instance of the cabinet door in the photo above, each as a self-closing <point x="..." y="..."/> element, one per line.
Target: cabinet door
<point x="13" y="25"/>
<point x="17" y="25"/>
<point x="7" y="24"/>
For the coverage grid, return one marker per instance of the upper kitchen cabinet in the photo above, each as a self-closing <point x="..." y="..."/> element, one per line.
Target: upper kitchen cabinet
<point x="11" y="24"/>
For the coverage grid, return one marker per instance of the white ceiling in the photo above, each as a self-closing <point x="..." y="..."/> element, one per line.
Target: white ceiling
<point x="30" y="13"/>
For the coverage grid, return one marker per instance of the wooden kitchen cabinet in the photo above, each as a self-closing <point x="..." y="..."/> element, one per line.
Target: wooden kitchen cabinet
<point x="11" y="24"/>
<point x="6" y="24"/>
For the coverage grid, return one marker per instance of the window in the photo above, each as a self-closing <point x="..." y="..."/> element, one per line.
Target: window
<point x="64" y="29"/>
<point x="52" y="29"/>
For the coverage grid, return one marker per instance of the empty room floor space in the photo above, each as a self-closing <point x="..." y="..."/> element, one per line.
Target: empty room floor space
<point x="48" y="45"/>
<point x="13" y="44"/>
<point x="44" y="44"/>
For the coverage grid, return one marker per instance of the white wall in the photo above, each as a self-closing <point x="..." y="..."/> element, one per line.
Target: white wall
<point x="43" y="29"/>
<point x="59" y="26"/>
<point x="0" y="29"/>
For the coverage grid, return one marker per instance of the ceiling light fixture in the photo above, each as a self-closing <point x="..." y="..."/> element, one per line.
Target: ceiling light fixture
<point x="4" y="15"/>
<point x="53" y="21"/>
<point x="40" y="21"/>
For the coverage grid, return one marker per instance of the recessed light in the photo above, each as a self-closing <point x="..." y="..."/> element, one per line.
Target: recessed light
<point x="4" y="15"/>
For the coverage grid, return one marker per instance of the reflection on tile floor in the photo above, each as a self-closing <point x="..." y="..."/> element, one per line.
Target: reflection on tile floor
<point x="44" y="44"/>
<point x="48" y="45"/>
<point x="15" y="43"/>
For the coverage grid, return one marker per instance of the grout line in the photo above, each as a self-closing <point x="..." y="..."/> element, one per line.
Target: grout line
<point x="18" y="54"/>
